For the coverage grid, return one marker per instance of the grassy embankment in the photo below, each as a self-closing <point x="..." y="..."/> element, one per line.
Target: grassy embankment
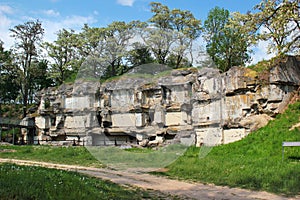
<point x="253" y="163"/>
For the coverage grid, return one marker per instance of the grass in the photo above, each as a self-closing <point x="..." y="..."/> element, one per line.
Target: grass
<point x="53" y="154"/>
<point x="27" y="182"/>
<point x="253" y="163"/>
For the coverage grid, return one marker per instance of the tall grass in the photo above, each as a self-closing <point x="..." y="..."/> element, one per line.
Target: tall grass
<point x="253" y="163"/>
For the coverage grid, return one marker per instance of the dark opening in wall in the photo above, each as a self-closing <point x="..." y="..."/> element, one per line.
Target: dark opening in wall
<point x="152" y="138"/>
<point x="99" y="118"/>
<point x="107" y="124"/>
<point x="53" y="121"/>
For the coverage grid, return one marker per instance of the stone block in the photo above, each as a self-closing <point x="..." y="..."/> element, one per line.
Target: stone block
<point x="123" y="120"/>
<point x="188" y="141"/>
<point x="74" y="122"/>
<point x="208" y="136"/>
<point x="122" y="98"/>
<point x="78" y="102"/>
<point x="174" y="118"/>
<point x="42" y="122"/>
<point x="232" y="135"/>
<point x="139" y="119"/>
<point x="159" y="116"/>
<point x="207" y="113"/>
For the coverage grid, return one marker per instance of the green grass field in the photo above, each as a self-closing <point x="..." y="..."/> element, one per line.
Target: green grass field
<point x="53" y="154"/>
<point x="26" y="182"/>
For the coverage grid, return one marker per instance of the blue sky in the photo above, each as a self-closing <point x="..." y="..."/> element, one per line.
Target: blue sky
<point x="72" y="14"/>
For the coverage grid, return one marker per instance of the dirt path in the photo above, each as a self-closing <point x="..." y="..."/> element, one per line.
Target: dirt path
<point x="146" y="181"/>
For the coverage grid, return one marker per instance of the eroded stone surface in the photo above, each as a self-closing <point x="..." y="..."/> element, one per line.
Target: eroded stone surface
<point x="202" y="106"/>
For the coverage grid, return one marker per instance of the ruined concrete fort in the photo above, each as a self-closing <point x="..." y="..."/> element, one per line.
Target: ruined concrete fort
<point x="188" y="106"/>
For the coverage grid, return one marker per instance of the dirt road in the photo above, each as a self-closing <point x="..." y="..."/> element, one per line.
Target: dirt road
<point x="182" y="189"/>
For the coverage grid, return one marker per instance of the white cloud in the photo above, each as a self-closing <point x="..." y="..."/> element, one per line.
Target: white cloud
<point x="51" y="25"/>
<point x="260" y="52"/>
<point x="5" y="24"/>
<point x="51" y="13"/>
<point x="6" y="9"/>
<point x="74" y="22"/>
<point x="125" y="2"/>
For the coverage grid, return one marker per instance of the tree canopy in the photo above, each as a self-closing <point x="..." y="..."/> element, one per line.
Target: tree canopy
<point x="275" y="21"/>
<point x="27" y="40"/>
<point x="226" y="45"/>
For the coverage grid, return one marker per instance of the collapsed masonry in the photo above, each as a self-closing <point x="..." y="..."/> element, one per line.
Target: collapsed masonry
<point x="190" y="106"/>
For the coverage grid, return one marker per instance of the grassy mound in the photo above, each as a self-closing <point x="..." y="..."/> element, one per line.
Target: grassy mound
<point x="253" y="163"/>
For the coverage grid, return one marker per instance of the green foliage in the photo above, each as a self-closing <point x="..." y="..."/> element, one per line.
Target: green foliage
<point x="11" y="111"/>
<point x="26" y="182"/>
<point x="266" y="65"/>
<point x="65" y="59"/>
<point x="226" y="45"/>
<point x="9" y="88"/>
<point x="139" y="55"/>
<point x="275" y="21"/>
<point x="27" y="44"/>
<point x="172" y="32"/>
<point x="253" y="163"/>
<point x="71" y="78"/>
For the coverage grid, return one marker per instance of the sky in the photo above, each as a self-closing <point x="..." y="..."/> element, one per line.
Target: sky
<point x="73" y="14"/>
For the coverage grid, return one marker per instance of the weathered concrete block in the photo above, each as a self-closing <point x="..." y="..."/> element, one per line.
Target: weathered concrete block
<point x="122" y="99"/>
<point x="207" y="113"/>
<point x="208" y="136"/>
<point x="42" y="122"/>
<point x="78" y="102"/>
<point x="123" y="120"/>
<point x="233" y="135"/>
<point x="175" y="118"/>
<point x="188" y="141"/>
<point x="75" y="122"/>
<point x="140" y="119"/>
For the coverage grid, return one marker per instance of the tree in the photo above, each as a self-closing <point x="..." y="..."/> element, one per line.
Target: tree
<point x="277" y="21"/>
<point x="171" y="32"/>
<point x="89" y="40"/>
<point x="226" y="45"/>
<point x="159" y="41"/>
<point x="187" y="29"/>
<point x="66" y="59"/>
<point x="140" y="54"/>
<point x="27" y="39"/>
<point x="39" y="78"/>
<point x="9" y="89"/>
<point x="114" y="44"/>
